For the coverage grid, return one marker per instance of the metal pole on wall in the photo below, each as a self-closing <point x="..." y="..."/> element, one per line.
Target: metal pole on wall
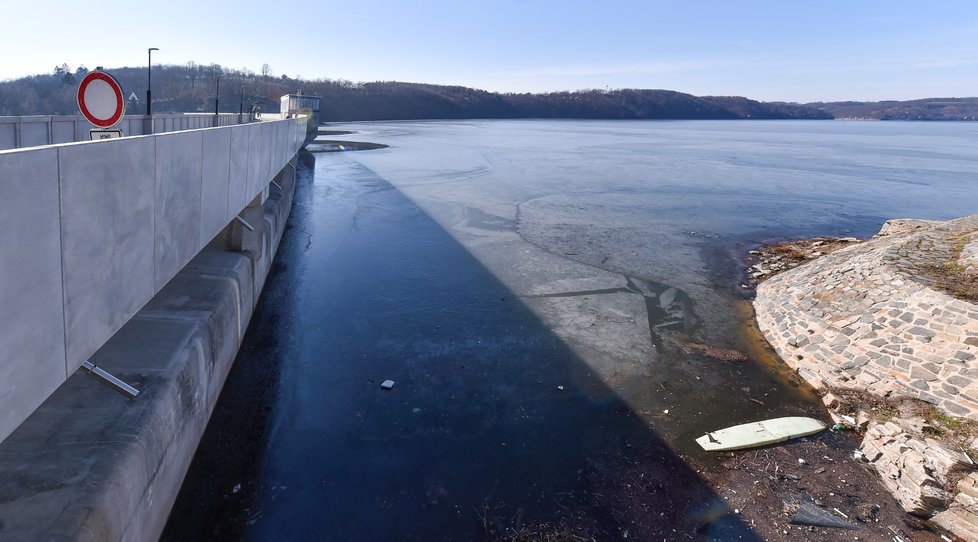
<point x="217" y="99"/>
<point x="149" y="81"/>
<point x="241" y="102"/>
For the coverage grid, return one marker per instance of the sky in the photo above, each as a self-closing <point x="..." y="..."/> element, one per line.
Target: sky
<point x="784" y="50"/>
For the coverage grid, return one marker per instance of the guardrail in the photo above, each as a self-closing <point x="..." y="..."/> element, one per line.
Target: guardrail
<point x="37" y="130"/>
<point x="90" y="231"/>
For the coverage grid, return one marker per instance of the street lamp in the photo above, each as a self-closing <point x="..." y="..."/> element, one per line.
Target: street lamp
<point x="217" y="97"/>
<point x="241" y="102"/>
<point x="149" y="81"/>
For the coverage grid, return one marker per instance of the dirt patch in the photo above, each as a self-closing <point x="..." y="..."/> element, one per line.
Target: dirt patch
<point x="763" y="489"/>
<point x="715" y="352"/>
<point x="767" y="486"/>
<point x="772" y="259"/>
<point x="952" y="277"/>
<point x="956" y="433"/>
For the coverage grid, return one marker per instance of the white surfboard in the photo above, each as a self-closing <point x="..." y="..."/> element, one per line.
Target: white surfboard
<point x="754" y="434"/>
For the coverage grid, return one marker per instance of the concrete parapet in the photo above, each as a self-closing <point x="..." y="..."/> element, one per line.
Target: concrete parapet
<point x="35" y="130"/>
<point x="92" y="231"/>
<point x="865" y="317"/>
<point x="90" y="464"/>
<point x="32" y="359"/>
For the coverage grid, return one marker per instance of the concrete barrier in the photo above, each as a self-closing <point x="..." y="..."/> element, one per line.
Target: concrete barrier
<point x="36" y="130"/>
<point x="92" y="465"/>
<point x="90" y="232"/>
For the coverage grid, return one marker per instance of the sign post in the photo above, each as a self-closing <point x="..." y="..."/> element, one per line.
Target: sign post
<point x="100" y="100"/>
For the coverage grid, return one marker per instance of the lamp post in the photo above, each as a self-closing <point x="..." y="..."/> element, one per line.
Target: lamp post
<point x="217" y="98"/>
<point x="241" y="102"/>
<point x="149" y="81"/>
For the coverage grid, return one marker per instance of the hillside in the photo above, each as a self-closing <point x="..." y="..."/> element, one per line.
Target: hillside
<point x="182" y="88"/>
<point x="926" y="109"/>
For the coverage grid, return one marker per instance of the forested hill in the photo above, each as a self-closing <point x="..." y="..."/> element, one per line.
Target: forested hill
<point x="185" y="88"/>
<point x="392" y="100"/>
<point x="927" y="109"/>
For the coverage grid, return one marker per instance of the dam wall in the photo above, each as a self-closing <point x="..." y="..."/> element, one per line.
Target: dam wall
<point x="92" y="231"/>
<point x="93" y="465"/>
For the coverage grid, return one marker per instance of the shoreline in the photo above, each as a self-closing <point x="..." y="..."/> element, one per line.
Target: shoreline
<point x="867" y="318"/>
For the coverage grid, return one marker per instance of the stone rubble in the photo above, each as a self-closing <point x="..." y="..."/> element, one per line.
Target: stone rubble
<point x="969" y="255"/>
<point x="865" y="317"/>
<point x="915" y="469"/>
<point x="961" y="517"/>
<point x="773" y="259"/>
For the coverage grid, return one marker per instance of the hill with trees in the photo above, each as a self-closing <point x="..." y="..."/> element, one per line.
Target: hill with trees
<point x="192" y="87"/>
<point x="926" y="109"/>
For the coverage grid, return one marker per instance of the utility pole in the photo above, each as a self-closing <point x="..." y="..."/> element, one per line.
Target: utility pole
<point x="149" y="81"/>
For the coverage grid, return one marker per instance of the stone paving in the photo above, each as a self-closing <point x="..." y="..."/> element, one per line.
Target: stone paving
<point x="866" y="317"/>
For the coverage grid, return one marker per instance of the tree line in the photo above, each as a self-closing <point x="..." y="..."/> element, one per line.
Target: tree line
<point x="191" y="87"/>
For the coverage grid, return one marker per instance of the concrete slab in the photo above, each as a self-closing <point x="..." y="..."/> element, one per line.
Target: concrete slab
<point x="255" y="178"/>
<point x="240" y="162"/>
<point x="214" y="303"/>
<point x="265" y="156"/>
<point x="62" y="131"/>
<point x="8" y="135"/>
<point x="108" y="237"/>
<point x="237" y="267"/>
<point x="33" y="134"/>
<point x="178" y="202"/>
<point x="215" y="183"/>
<point x="126" y="352"/>
<point x="32" y="364"/>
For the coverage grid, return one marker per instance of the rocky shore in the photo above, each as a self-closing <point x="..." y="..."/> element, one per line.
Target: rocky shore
<point x="892" y="343"/>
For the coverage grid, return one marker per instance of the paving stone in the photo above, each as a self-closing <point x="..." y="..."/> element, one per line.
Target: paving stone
<point x="949" y="389"/>
<point x="957" y="380"/>
<point x="919" y="384"/>
<point x="920" y="332"/>
<point x="889" y="331"/>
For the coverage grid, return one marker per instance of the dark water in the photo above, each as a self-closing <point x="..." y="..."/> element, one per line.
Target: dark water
<point x="441" y="262"/>
<point x="476" y="436"/>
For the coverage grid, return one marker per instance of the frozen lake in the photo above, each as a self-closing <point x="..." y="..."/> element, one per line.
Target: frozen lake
<point x="537" y="290"/>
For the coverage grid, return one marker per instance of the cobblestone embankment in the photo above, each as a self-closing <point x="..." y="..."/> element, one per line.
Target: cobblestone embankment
<point x="866" y="317"/>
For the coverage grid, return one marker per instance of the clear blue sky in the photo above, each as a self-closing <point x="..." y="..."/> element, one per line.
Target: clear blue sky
<point x="767" y="50"/>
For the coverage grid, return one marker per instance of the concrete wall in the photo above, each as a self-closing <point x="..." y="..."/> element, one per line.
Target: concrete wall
<point x="90" y="231"/>
<point x="112" y="467"/>
<point x="36" y="130"/>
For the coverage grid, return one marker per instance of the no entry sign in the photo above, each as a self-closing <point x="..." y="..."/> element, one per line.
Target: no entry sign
<point x="100" y="99"/>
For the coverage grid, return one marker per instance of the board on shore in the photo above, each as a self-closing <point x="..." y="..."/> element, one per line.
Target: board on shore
<point x="762" y="433"/>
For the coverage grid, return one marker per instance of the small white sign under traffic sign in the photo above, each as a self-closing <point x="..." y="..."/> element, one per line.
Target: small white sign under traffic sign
<point x="100" y="99"/>
<point x="96" y="135"/>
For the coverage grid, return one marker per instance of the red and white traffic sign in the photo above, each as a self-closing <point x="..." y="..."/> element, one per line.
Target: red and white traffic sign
<point x="100" y="99"/>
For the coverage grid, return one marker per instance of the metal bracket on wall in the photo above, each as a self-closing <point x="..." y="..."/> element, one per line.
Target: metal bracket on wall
<point x="244" y="223"/>
<point x="110" y="379"/>
<point x="276" y="185"/>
